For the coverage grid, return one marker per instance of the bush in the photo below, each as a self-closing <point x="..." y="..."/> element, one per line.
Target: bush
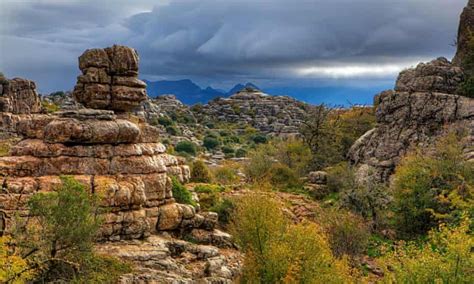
<point x="165" y="121"/>
<point x="208" y="195"/>
<point x="240" y="153"/>
<point x="277" y="251"/>
<point x="210" y="142"/>
<point x="294" y="154"/>
<point x="186" y="147"/>
<point x="340" y="178"/>
<point x="282" y="177"/>
<point x="224" y="208"/>
<point x="172" y="130"/>
<point x="180" y="193"/>
<point x="433" y="187"/>
<point x="367" y="198"/>
<point x="259" y="139"/>
<point x="200" y="172"/>
<point x="49" y="106"/>
<point x="347" y="233"/>
<point x="258" y="168"/>
<point x="445" y="258"/>
<point x="226" y="174"/>
<point x="57" y="241"/>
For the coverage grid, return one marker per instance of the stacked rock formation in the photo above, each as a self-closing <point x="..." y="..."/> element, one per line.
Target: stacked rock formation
<point x="18" y="96"/>
<point x="113" y="153"/>
<point x="274" y="115"/>
<point x="109" y="79"/>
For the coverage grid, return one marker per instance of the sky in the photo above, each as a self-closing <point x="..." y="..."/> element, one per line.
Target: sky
<point x="318" y="47"/>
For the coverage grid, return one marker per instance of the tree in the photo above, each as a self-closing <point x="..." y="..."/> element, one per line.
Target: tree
<point x="319" y="132"/>
<point x="56" y="240"/>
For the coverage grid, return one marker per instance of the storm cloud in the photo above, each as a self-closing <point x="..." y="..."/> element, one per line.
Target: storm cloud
<point x="223" y="42"/>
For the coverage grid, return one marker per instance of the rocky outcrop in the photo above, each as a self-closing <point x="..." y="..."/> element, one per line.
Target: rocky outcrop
<point x="114" y="154"/>
<point x="420" y="109"/>
<point x="466" y="30"/>
<point x="109" y="79"/>
<point x="18" y="96"/>
<point x="161" y="259"/>
<point x="274" y="115"/>
<point x="436" y="76"/>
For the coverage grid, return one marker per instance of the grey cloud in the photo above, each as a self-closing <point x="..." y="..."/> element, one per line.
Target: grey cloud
<point x="225" y="40"/>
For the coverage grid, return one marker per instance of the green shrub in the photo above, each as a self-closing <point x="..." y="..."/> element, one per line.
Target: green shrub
<point x="208" y="195"/>
<point x="240" y="153"/>
<point x="277" y="251"/>
<point x="165" y="121"/>
<point x="200" y="172"/>
<point x="210" y="142"/>
<point x="295" y="154"/>
<point x="282" y="177"/>
<point x="258" y="167"/>
<point x="224" y="208"/>
<point x="340" y="178"/>
<point x="226" y="174"/>
<point x="180" y="193"/>
<point x="433" y="187"/>
<point x="259" y="139"/>
<point x="186" y="147"/>
<point x="172" y="130"/>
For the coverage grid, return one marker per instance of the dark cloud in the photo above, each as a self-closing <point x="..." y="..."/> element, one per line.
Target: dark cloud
<point x="222" y="42"/>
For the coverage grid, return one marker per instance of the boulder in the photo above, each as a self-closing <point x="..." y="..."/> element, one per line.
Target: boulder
<point x="436" y="76"/>
<point x="109" y="79"/>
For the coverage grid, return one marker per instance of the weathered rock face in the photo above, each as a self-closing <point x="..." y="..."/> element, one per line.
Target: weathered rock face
<point x="436" y="76"/>
<point x="274" y="115"/>
<point x="466" y="27"/>
<point x="109" y="79"/>
<point x="415" y="114"/>
<point x="18" y="96"/>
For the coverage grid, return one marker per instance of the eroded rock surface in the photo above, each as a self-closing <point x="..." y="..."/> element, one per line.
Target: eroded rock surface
<point x="109" y="79"/>
<point x="415" y="114"/>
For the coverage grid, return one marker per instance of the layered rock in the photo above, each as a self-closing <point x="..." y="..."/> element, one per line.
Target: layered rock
<point x="18" y="96"/>
<point x="114" y="154"/>
<point x="416" y="113"/>
<point x="274" y="115"/>
<point x="466" y="28"/>
<point x="109" y="79"/>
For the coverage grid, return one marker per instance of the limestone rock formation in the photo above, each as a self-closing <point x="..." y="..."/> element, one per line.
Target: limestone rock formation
<point x="274" y="115"/>
<point x="114" y="154"/>
<point x="436" y="76"/>
<point x="18" y="96"/>
<point x="466" y="27"/>
<point x="415" y="114"/>
<point x="109" y="79"/>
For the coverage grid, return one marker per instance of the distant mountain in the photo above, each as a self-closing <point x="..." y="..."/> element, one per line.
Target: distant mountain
<point x="239" y="87"/>
<point x="189" y="92"/>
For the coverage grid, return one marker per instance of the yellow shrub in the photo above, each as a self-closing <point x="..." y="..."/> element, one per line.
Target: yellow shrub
<point x="446" y="258"/>
<point x="13" y="268"/>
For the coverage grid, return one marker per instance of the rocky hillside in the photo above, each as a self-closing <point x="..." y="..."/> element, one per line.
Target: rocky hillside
<point x="274" y="115"/>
